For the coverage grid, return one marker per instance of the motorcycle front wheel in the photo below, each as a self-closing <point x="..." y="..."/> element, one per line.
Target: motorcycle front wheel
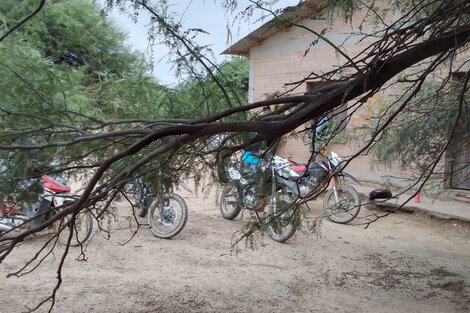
<point x="167" y="216"/>
<point x="229" y="206"/>
<point x="82" y="228"/>
<point x="282" y="218"/>
<point x="346" y="208"/>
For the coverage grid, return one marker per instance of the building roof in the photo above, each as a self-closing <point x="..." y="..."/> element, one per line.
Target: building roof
<point x="289" y="15"/>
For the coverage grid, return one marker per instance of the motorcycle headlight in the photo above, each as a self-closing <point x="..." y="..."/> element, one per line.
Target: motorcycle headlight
<point x="335" y="160"/>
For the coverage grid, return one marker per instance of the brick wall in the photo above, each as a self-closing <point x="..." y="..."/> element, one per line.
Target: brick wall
<point x="282" y="58"/>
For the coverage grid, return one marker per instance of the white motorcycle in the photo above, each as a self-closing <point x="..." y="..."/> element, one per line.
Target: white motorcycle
<point x="341" y="202"/>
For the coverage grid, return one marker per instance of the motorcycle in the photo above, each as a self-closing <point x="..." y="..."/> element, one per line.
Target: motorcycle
<point x="341" y="203"/>
<point x="258" y="190"/>
<point x="167" y="213"/>
<point x="56" y="193"/>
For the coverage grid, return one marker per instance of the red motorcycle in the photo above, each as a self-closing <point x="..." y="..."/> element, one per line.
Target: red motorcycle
<point x="18" y="216"/>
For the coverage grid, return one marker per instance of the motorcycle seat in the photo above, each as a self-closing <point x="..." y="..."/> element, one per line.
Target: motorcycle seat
<point x="298" y="168"/>
<point x="54" y="186"/>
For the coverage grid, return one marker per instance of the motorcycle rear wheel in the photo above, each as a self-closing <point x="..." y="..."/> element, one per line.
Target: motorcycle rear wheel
<point x="167" y="216"/>
<point x="346" y="209"/>
<point x="229" y="206"/>
<point x="82" y="228"/>
<point x="282" y="219"/>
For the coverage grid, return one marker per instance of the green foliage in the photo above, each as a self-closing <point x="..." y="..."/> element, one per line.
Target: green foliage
<point x="45" y="98"/>
<point x="421" y="132"/>
<point x="207" y="97"/>
<point x="76" y="27"/>
<point x="134" y="95"/>
<point x="38" y="78"/>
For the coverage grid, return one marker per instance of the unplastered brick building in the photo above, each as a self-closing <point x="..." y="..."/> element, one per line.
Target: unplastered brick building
<point x="285" y="50"/>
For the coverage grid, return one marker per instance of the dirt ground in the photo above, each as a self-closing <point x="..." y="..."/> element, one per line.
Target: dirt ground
<point x="402" y="263"/>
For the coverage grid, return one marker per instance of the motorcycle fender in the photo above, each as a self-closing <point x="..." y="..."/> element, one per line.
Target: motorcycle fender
<point x="185" y="186"/>
<point x="351" y="177"/>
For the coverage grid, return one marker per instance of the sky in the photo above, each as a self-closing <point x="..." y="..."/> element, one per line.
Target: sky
<point x="205" y="14"/>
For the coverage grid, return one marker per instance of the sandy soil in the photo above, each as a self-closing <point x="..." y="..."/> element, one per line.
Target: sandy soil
<point x="402" y="263"/>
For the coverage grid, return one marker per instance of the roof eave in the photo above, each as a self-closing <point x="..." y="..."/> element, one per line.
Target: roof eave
<point x="294" y="14"/>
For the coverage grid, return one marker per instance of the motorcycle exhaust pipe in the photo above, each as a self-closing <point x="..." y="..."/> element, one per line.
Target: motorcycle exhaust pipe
<point x="291" y="185"/>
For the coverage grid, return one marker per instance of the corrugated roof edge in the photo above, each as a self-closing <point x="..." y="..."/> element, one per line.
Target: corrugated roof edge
<point x="289" y="15"/>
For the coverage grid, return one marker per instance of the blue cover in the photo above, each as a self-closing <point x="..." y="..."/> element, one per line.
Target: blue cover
<point x="250" y="158"/>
